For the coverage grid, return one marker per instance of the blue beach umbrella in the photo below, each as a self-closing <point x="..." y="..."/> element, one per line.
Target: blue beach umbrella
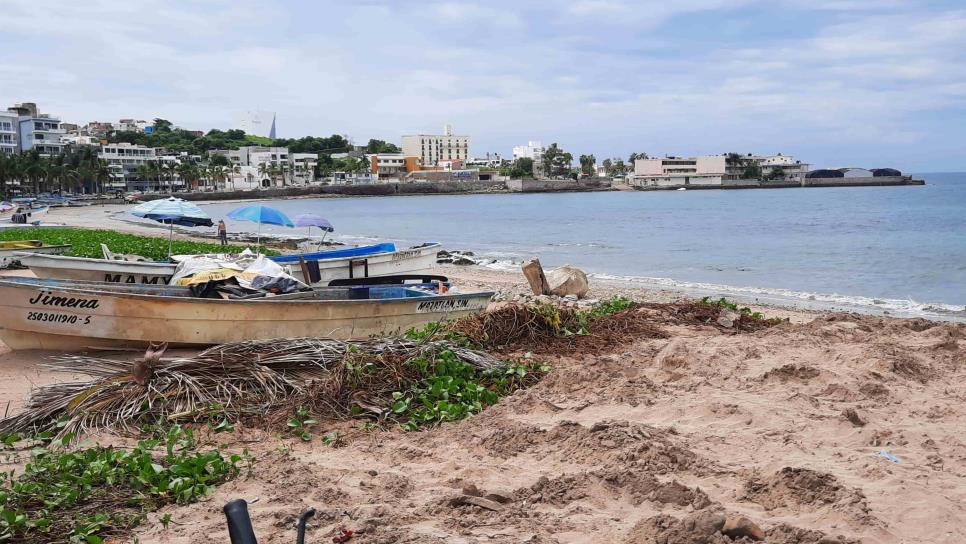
<point x="257" y="213"/>
<point x="172" y="211"/>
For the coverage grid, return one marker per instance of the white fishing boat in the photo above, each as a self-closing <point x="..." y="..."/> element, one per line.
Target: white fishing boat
<point x="74" y="316"/>
<point x="11" y="251"/>
<point x="322" y="267"/>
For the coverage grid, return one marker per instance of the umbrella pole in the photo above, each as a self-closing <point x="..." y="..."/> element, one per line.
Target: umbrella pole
<point x="170" y="235"/>
<point x="258" y="240"/>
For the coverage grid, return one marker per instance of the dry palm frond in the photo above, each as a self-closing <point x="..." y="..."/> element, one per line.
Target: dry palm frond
<point x="234" y="381"/>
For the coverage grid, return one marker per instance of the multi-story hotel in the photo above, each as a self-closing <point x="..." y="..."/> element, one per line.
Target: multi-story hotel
<point x="9" y="141"/>
<point x="123" y="160"/>
<point x="37" y="130"/>
<point x="432" y="148"/>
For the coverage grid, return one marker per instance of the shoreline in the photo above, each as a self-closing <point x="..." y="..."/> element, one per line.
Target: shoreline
<point x="504" y="272"/>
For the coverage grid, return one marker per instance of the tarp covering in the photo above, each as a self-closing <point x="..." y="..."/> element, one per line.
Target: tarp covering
<point x="825" y="174"/>
<point x="250" y="274"/>
<point x="338" y="253"/>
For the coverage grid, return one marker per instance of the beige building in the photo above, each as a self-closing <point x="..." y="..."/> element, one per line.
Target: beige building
<point x="432" y="148"/>
<point x="674" y="171"/>
<point x="792" y="169"/>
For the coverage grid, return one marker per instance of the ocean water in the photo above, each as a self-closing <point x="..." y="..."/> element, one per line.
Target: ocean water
<point x="900" y="250"/>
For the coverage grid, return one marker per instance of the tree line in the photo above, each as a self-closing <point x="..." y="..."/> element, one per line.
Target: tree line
<point x="77" y="170"/>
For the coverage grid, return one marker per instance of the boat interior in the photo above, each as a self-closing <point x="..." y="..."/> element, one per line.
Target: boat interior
<point x="353" y="292"/>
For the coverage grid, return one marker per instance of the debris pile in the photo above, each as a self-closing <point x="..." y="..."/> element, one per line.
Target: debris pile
<point x="234" y="381"/>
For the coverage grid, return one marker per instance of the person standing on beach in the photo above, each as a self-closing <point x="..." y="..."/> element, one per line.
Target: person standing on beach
<point x="222" y="232"/>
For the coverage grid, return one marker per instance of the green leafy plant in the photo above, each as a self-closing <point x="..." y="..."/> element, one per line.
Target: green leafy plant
<point x="87" y="242"/>
<point x="451" y="389"/>
<point x="331" y="438"/>
<point x="299" y="423"/>
<point x="84" y="495"/>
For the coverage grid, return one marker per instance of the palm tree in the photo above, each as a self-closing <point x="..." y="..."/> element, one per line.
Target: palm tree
<point x="101" y="171"/>
<point x="235" y="169"/>
<point x="33" y="169"/>
<point x="144" y="171"/>
<point x="170" y="168"/>
<point x="9" y="170"/>
<point x="265" y="170"/>
<point x="187" y="172"/>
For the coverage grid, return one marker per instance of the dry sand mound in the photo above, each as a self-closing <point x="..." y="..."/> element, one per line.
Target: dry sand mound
<point x="663" y="440"/>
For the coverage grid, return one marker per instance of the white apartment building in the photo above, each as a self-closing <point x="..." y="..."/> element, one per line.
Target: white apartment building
<point x="257" y="123"/>
<point x="675" y="171"/>
<point x="303" y="166"/>
<point x="37" y="130"/>
<point x="123" y="160"/>
<point x="533" y="150"/>
<point x="9" y="125"/>
<point x="132" y="125"/>
<point x="432" y="148"/>
<point x="298" y="167"/>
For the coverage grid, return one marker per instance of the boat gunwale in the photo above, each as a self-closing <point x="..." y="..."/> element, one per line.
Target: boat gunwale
<point x="14" y="283"/>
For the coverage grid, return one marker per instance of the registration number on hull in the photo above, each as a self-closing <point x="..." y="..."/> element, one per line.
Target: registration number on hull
<point x="450" y="305"/>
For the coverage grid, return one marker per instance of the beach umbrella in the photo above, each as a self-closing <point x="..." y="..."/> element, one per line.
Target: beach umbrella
<point x="172" y="211"/>
<point x="312" y="220"/>
<point x="257" y="213"/>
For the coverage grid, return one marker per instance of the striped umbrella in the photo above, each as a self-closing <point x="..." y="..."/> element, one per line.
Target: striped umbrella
<point x="172" y="211"/>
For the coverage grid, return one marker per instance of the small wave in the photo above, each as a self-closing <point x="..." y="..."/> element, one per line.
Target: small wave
<point x="906" y="307"/>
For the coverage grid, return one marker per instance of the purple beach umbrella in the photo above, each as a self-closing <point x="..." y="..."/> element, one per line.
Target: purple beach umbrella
<point x="312" y="220"/>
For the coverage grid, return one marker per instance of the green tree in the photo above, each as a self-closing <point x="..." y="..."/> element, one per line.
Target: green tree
<point x="587" y="164"/>
<point x="557" y="162"/>
<point x="752" y="170"/>
<point x="777" y="173"/>
<point x="380" y="146"/>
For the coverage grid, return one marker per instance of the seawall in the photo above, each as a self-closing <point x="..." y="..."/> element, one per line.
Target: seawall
<point x="558" y="185"/>
<point x="882" y="181"/>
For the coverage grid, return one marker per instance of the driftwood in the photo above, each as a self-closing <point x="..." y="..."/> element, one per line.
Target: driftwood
<point x="533" y="271"/>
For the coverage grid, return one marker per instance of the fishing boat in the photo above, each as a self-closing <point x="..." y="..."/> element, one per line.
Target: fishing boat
<point x="74" y="315"/>
<point x="322" y="267"/>
<point x="10" y="251"/>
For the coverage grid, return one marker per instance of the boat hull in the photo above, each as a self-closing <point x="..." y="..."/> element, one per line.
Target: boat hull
<point x="52" y="315"/>
<point x="408" y="261"/>
<point x="8" y="256"/>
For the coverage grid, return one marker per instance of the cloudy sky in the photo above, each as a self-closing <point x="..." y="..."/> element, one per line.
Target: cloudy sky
<point x="833" y="82"/>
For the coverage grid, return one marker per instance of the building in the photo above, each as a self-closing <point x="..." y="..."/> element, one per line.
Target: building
<point x="133" y="125"/>
<point x="432" y="148"/>
<point x="9" y="130"/>
<point x="96" y="128"/>
<point x="393" y="165"/>
<point x="492" y="160"/>
<point x="533" y="150"/>
<point x="770" y="165"/>
<point x="856" y="173"/>
<point x="675" y="171"/>
<point x="280" y="166"/>
<point x="37" y="131"/>
<point x="123" y="161"/>
<point x="257" y="123"/>
<point x="303" y="166"/>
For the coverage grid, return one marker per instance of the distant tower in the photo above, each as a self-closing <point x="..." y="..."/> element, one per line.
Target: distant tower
<point x="257" y="123"/>
<point x="448" y="130"/>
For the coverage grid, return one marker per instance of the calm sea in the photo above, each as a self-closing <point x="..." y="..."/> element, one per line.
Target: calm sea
<point x="900" y="250"/>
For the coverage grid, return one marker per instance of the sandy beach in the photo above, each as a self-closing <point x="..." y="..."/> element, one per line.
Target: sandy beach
<point x="831" y="427"/>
